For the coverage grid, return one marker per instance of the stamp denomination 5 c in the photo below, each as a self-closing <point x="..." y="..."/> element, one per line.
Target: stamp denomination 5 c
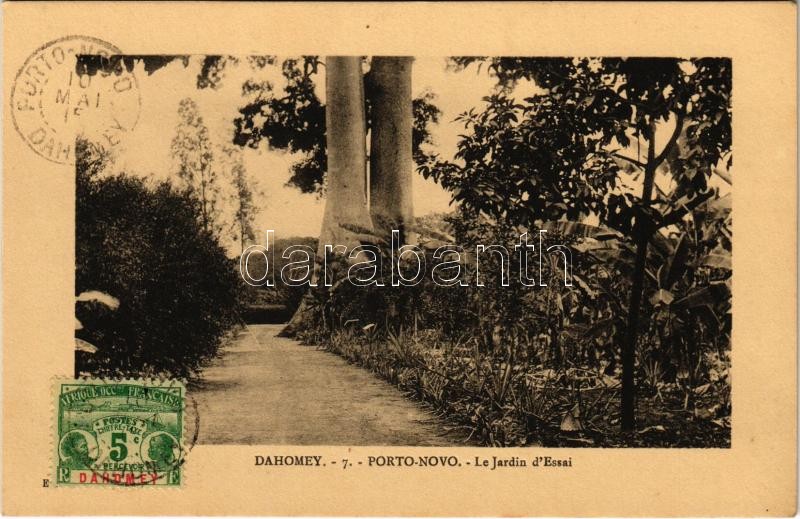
<point x="53" y="101"/>
<point x="120" y="433"/>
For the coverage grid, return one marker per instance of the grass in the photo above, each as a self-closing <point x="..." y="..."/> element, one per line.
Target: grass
<point x="517" y="403"/>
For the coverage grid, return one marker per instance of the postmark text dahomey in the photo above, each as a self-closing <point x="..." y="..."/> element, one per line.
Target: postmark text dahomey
<point x="53" y="100"/>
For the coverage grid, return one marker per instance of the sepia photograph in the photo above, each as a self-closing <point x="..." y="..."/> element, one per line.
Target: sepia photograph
<point x="421" y="259"/>
<point x="491" y="251"/>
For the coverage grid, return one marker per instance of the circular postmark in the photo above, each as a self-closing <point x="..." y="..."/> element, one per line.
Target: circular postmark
<point x="54" y="99"/>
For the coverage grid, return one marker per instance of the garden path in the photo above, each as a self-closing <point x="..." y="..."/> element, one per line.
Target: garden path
<point x="264" y="389"/>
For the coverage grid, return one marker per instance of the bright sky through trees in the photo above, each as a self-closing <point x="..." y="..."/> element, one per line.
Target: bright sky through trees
<point x="142" y="154"/>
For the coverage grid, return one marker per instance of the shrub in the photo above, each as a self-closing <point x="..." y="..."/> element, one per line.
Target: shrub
<point x="145" y="246"/>
<point x="517" y="365"/>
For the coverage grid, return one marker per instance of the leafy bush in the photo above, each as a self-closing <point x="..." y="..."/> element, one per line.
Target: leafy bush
<point x="516" y="365"/>
<point x="146" y="246"/>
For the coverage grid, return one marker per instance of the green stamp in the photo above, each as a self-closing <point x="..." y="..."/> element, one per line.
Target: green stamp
<point x="123" y="433"/>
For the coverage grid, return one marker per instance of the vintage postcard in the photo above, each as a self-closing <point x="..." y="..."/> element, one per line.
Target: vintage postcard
<point x="425" y="259"/>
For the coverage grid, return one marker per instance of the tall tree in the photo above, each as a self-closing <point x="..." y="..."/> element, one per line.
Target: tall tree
<point x="391" y="159"/>
<point x="245" y="209"/>
<point x="346" y="193"/>
<point x="194" y="159"/>
<point x="294" y="120"/>
<point x="346" y="180"/>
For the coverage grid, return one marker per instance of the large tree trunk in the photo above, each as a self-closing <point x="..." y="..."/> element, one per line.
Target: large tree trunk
<point x="391" y="161"/>
<point x="642" y="233"/>
<point x="346" y="182"/>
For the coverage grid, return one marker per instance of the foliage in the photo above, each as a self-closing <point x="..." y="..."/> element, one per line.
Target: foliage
<point x="245" y="209"/>
<point x="425" y="113"/>
<point x="517" y="365"/>
<point x="292" y="119"/>
<point x="213" y="70"/>
<point x="563" y="153"/>
<point x="145" y="246"/>
<point x="295" y="121"/>
<point x="629" y="143"/>
<point x="194" y="160"/>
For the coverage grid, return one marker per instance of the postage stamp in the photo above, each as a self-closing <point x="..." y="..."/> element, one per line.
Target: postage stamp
<point x="53" y="100"/>
<point x="125" y="433"/>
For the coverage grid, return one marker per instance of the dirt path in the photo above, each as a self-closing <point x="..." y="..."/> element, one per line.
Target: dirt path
<point x="270" y="390"/>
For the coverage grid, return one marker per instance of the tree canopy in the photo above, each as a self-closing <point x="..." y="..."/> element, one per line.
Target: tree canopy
<point x="561" y="153"/>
